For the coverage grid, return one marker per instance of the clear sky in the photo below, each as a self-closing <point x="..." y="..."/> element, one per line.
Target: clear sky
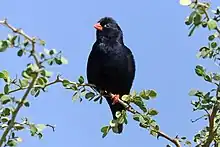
<point x="165" y="59"/>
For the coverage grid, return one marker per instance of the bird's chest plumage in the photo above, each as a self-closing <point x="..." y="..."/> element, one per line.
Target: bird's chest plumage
<point x="110" y="67"/>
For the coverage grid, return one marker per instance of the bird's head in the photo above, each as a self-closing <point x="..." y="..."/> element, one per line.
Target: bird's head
<point x="108" y="29"/>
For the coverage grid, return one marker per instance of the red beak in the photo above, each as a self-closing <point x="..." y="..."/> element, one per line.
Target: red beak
<point x="98" y="26"/>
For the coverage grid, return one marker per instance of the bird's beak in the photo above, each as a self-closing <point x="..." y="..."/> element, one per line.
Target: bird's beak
<point x="98" y="26"/>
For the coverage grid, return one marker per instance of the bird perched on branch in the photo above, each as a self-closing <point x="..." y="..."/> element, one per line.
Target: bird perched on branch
<point x="111" y="65"/>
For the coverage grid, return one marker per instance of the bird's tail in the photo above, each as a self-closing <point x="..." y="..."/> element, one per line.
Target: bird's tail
<point x="114" y="108"/>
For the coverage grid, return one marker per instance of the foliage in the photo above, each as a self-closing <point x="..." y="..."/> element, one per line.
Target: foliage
<point x="36" y="78"/>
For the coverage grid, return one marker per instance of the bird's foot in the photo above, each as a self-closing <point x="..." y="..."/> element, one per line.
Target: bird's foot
<point x="115" y="98"/>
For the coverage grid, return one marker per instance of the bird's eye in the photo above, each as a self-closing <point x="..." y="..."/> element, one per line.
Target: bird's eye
<point x="106" y="25"/>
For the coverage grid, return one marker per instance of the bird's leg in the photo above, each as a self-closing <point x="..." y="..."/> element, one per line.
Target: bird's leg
<point x="115" y="98"/>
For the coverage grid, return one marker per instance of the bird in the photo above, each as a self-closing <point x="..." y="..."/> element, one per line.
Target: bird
<point x="111" y="64"/>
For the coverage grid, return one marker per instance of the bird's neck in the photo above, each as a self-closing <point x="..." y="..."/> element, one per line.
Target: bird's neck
<point x="110" y="41"/>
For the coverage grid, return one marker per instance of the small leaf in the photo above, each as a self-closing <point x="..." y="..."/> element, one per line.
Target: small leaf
<point x="18" y="126"/>
<point x="211" y="37"/>
<point x="152" y="112"/>
<point x="40" y="127"/>
<point x="193" y="92"/>
<point x="185" y="2"/>
<point x="26" y="104"/>
<point x="6" y="112"/>
<point x="105" y="130"/>
<point x="212" y="24"/>
<point x="152" y="94"/>
<point x="5" y="99"/>
<point x="12" y="143"/>
<point x="118" y="114"/>
<point x="81" y="80"/>
<point x="64" y="60"/>
<point x="3" y="45"/>
<point x="4" y="119"/>
<point x="58" y="61"/>
<point x="6" y="89"/>
<point x="20" y="52"/>
<point x="125" y="98"/>
<point x="33" y="129"/>
<point x="200" y="71"/>
<point x="53" y="51"/>
<point x="89" y="95"/>
<point x="23" y="83"/>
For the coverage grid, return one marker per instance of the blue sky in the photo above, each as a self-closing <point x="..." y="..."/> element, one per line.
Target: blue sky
<point x="165" y="59"/>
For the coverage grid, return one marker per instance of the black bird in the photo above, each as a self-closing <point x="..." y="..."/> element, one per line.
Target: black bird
<point x="111" y="65"/>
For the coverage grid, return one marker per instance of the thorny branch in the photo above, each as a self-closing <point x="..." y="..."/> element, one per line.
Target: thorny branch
<point x="212" y="120"/>
<point x="57" y="80"/>
<point x="33" y="81"/>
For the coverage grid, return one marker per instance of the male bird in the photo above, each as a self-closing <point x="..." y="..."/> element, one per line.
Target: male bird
<point x="111" y="65"/>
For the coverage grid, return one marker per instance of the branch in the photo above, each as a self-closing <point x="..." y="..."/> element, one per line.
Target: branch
<point x="14" y="114"/>
<point x="208" y="18"/>
<point x="22" y="33"/>
<point x="31" y="85"/>
<point x="160" y="133"/>
<point x="212" y="120"/>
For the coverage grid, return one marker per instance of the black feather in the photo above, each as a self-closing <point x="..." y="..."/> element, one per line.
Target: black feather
<point x="111" y="65"/>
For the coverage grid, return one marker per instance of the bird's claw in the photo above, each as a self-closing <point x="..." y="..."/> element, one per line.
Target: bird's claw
<point x="115" y="98"/>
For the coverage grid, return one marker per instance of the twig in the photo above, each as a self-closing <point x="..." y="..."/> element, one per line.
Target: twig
<point x="28" y="89"/>
<point x="22" y="33"/>
<point x="212" y="120"/>
<point x="14" y="114"/>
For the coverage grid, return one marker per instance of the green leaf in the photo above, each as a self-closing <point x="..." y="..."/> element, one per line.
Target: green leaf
<point x="200" y="71"/>
<point x="75" y="96"/>
<point x="5" y="99"/>
<point x="33" y="129"/>
<point x="23" y="83"/>
<point x="6" y="89"/>
<point x="64" y="60"/>
<point x="145" y="94"/>
<point x="214" y="44"/>
<point x="197" y="19"/>
<point x="152" y="94"/>
<point x="40" y="127"/>
<point x="52" y="52"/>
<point x="185" y="2"/>
<point x="26" y="104"/>
<point x="18" y="126"/>
<point x="42" y="42"/>
<point x="12" y="143"/>
<point x="3" y="45"/>
<point x="46" y="73"/>
<point x="5" y="76"/>
<point x="193" y="92"/>
<point x="81" y="80"/>
<point x="58" y="61"/>
<point x="153" y="133"/>
<point x="138" y="101"/>
<point x="212" y="24"/>
<point x="152" y="112"/>
<point x="89" y="95"/>
<point x="208" y="78"/>
<point x="105" y="130"/>
<point x="4" y="119"/>
<point x="126" y="98"/>
<point x="6" y="112"/>
<point x="20" y="52"/>
<point x="136" y="117"/>
<point x="216" y="76"/>
<point x="211" y="37"/>
<point x="118" y="114"/>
